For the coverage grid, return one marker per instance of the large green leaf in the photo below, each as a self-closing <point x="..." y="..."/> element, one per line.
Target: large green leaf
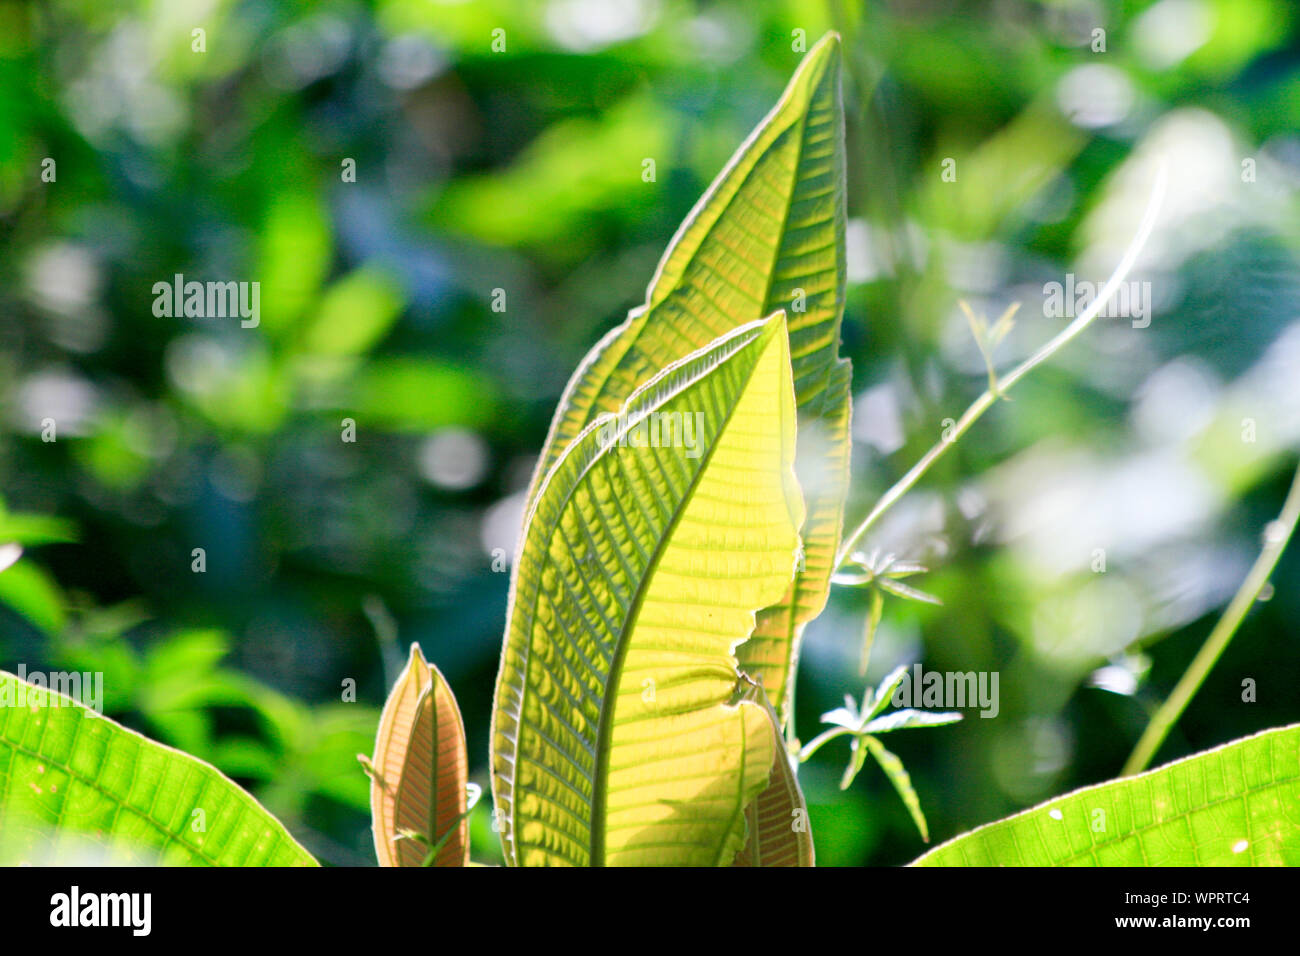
<point x="1235" y="805"/>
<point x="76" y="787"/>
<point x="620" y="735"/>
<point x="768" y="235"/>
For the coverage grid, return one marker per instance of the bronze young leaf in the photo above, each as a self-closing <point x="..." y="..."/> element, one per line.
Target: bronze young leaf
<point x="419" y="774"/>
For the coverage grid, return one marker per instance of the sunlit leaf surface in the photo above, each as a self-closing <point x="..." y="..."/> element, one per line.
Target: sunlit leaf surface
<point x="777" y="828"/>
<point x="420" y="772"/>
<point x="618" y="735"/>
<point x="78" y="787"/>
<point x="767" y="235"/>
<point x="1231" y="806"/>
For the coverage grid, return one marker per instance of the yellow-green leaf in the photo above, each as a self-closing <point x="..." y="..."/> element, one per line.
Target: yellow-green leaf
<point x="79" y="788"/>
<point x="619" y="732"/>
<point x="419" y="774"/>
<point x="768" y="234"/>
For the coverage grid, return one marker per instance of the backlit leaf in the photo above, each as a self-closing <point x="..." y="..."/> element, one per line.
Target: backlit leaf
<point x="1230" y="806"/>
<point x="902" y="781"/>
<point x="76" y="787"/>
<point x="768" y="234"/>
<point x="619" y="736"/>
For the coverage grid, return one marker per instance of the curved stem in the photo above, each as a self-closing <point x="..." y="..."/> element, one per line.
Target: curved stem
<point x="1276" y="536"/>
<point x="1005" y="383"/>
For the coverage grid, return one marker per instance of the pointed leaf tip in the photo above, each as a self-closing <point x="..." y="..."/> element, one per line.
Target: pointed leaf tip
<point x="420" y="777"/>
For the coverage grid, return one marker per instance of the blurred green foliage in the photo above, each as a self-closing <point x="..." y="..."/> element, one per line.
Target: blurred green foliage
<point x="522" y="170"/>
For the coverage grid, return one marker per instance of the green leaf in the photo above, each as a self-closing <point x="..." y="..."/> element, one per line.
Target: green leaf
<point x="1230" y="806"/>
<point x="575" y="169"/>
<point x="78" y="787"/>
<point x="906" y="591"/>
<point x="355" y="313"/>
<point x="902" y="782"/>
<point x="872" y="623"/>
<point x="420" y="771"/>
<point x="902" y="719"/>
<point x="857" y="757"/>
<point x="767" y="235"/>
<point x="35" y="595"/>
<point x="884" y="692"/>
<point x="410" y="394"/>
<point x="619" y="736"/>
<point x="294" y="258"/>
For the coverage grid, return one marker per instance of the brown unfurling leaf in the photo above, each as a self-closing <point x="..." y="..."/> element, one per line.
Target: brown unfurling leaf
<point x="419" y="774"/>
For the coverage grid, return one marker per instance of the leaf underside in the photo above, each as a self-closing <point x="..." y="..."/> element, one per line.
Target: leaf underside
<point x="617" y="735"/>
<point x="1231" y="806"/>
<point x="79" y="788"/>
<point x="767" y="235"/>
<point x="421" y="771"/>
<point x="777" y="829"/>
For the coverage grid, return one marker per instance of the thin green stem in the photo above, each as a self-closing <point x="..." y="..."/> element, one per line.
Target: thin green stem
<point x="1276" y="536"/>
<point x="824" y="737"/>
<point x="1005" y="384"/>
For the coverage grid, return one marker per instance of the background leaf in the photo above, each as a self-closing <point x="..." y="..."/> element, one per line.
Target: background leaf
<point x="900" y="778"/>
<point x="420" y="771"/>
<point x="522" y="169"/>
<point x="768" y="234"/>
<point x="778" y="832"/>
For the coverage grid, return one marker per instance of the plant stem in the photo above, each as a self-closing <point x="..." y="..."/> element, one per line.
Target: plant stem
<point x="1276" y="536"/>
<point x="1005" y="384"/>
